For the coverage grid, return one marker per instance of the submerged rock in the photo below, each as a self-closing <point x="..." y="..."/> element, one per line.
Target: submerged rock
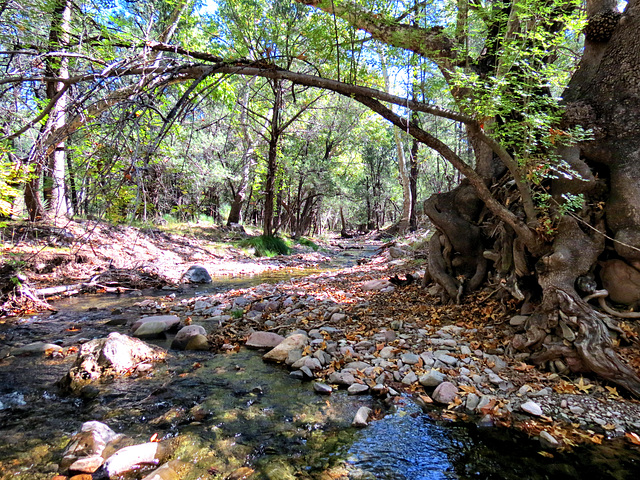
<point x="115" y="355"/>
<point x="134" y="457"/>
<point x="84" y="452"/>
<point x="361" y="417"/>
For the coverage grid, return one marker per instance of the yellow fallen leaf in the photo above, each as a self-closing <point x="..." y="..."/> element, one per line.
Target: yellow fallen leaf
<point x="613" y="391"/>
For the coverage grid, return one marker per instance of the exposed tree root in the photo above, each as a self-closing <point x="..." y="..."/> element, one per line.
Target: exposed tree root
<point x="601" y="295"/>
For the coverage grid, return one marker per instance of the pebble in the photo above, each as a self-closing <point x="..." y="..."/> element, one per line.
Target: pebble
<point x="472" y="402"/>
<point x="410" y="358"/>
<point x="410" y="378"/>
<point x="323" y="388"/>
<point x="547" y="440"/>
<point x="532" y="408"/>
<point x="432" y="378"/>
<point x="387" y="352"/>
<point x="445" y="358"/>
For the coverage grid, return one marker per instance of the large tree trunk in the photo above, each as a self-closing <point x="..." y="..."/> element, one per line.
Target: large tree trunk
<point x="604" y="95"/>
<point x="58" y="67"/>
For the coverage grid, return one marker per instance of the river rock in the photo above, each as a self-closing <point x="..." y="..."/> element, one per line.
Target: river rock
<point x="198" y="342"/>
<point x="87" y="464"/>
<point x="168" y="471"/>
<point x="361" y="417"/>
<point x="445" y="358"/>
<point x="89" y="443"/>
<point x="432" y="378"/>
<point x="532" y="408"/>
<point x="264" y="340"/>
<point x="341" y="378"/>
<point x="410" y="378"/>
<point x="518" y="320"/>
<point x="170" y="322"/>
<point x="151" y="330"/>
<point x="297" y="341"/>
<point x="357" y="365"/>
<point x="132" y="458"/>
<point x="375" y="285"/>
<point x="472" y="402"/>
<point x="387" y="352"/>
<point x="309" y="362"/>
<point x="36" y="348"/>
<point x="186" y="334"/>
<point x="197" y="274"/>
<point x="320" y="387"/>
<point x="357" y="389"/>
<point x="115" y="355"/>
<point x="410" y="358"/>
<point x="547" y="440"/>
<point x="445" y="393"/>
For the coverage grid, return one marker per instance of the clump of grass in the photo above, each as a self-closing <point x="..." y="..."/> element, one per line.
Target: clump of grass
<point x="308" y="243"/>
<point x="267" y="246"/>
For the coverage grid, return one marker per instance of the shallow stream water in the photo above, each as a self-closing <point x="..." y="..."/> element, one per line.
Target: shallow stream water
<point x="228" y="412"/>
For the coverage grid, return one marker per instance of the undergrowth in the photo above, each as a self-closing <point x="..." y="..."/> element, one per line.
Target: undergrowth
<point x="308" y="243"/>
<point x="267" y="246"/>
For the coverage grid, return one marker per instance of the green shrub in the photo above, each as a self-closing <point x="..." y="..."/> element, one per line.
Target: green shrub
<point x="267" y="246"/>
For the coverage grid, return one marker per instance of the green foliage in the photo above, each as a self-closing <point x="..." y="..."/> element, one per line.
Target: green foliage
<point x="267" y="246"/>
<point x="309" y="243"/>
<point x="11" y="179"/>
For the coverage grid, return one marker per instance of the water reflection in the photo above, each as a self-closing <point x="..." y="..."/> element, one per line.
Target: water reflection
<point x="410" y="446"/>
<point x="404" y="446"/>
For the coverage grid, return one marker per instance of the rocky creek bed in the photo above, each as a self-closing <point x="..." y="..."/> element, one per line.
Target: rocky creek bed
<point x="340" y="348"/>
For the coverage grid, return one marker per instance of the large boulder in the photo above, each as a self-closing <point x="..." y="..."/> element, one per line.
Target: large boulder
<point x="622" y="281"/>
<point x="115" y="355"/>
<point x="197" y="274"/>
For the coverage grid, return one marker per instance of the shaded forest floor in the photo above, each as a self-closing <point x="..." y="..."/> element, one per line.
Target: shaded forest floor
<point x="135" y="258"/>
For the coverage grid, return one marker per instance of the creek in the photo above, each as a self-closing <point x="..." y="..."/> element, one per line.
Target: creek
<point x="225" y="413"/>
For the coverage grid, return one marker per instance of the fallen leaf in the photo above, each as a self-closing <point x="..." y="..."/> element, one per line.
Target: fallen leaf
<point x="633" y="438"/>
